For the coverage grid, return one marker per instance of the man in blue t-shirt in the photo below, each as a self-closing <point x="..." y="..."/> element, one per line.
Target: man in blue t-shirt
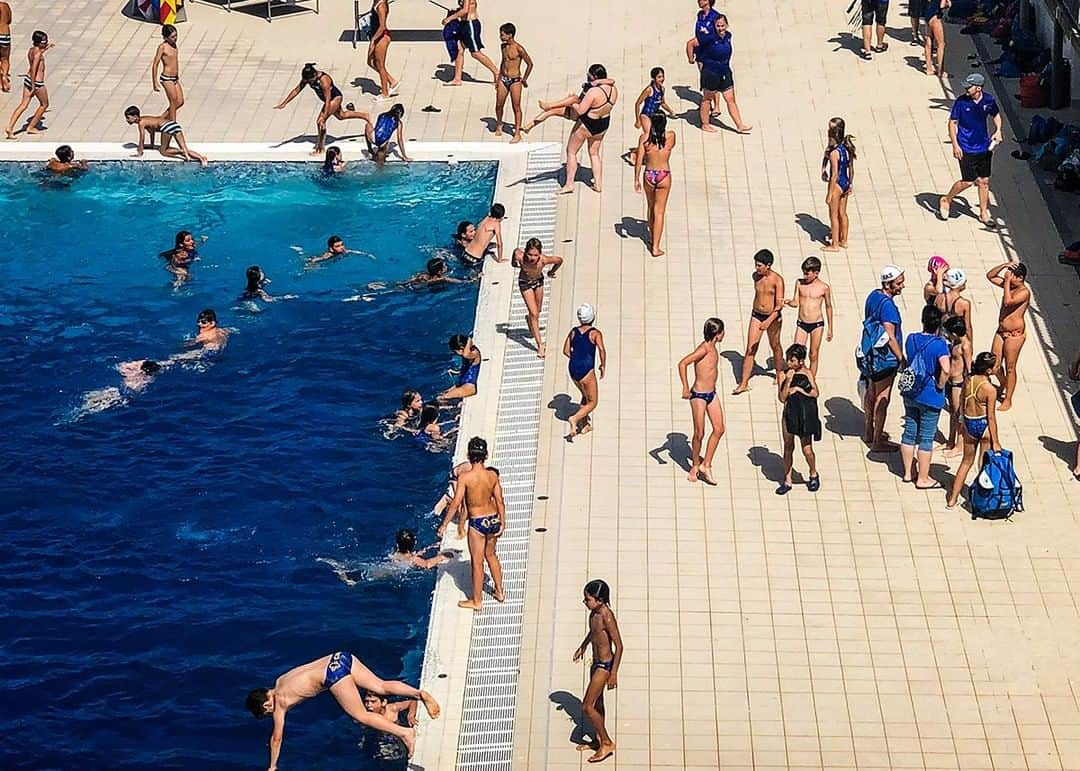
<point x="881" y="305"/>
<point x="972" y="144"/>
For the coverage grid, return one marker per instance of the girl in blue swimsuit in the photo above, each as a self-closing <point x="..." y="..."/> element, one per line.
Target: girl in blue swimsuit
<point x="650" y="102"/>
<point x="581" y="347"/>
<point x="838" y="170"/>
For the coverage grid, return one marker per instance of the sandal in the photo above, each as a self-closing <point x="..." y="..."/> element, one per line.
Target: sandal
<point x="813" y="484"/>
<point x="866" y="54"/>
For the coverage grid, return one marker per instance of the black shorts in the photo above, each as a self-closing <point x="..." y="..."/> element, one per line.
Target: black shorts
<point x="716" y="81"/>
<point x="874" y="12"/>
<point x="975" y="166"/>
<point x="916" y="9"/>
<point x="885" y="374"/>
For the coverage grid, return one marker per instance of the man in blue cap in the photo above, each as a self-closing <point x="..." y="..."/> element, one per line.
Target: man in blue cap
<point x="972" y="144"/>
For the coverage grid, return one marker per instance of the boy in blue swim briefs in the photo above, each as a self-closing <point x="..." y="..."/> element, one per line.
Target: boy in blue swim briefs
<point x="703" y="399"/>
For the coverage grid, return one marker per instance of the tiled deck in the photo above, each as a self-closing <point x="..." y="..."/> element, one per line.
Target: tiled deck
<point x="861" y="627"/>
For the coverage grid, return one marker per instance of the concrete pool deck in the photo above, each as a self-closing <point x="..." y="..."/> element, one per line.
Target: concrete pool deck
<point x="862" y="627"/>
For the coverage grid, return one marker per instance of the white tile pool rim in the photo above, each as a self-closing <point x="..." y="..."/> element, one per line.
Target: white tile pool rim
<point x="449" y="628"/>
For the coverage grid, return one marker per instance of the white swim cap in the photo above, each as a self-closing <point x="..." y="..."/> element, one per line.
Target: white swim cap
<point x="891" y="273"/>
<point x="955" y="277"/>
<point x="586" y="313"/>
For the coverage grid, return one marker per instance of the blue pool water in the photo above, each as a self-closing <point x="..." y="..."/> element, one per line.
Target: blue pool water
<point x="162" y="557"/>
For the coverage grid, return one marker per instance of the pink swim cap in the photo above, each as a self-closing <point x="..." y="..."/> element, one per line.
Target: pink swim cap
<point x="936" y="262"/>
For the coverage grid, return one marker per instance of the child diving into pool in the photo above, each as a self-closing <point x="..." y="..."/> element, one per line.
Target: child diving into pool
<point x="168" y="128"/>
<point x="378" y="134"/>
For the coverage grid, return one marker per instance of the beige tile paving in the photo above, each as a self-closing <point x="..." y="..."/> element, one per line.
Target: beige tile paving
<point x="862" y="627"/>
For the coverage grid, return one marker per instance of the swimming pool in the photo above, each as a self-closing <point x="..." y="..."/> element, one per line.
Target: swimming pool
<point x="165" y="555"/>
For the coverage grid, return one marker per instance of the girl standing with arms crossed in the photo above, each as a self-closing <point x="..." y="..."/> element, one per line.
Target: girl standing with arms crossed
<point x="654" y="152"/>
<point x="604" y="636"/>
<point x="838" y="169"/>
<point x="799" y="392"/>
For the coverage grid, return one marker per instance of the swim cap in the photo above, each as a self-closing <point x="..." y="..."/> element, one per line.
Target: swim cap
<point x="955" y="277"/>
<point x="586" y="313"/>
<point x="936" y="262"/>
<point x="891" y="273"/>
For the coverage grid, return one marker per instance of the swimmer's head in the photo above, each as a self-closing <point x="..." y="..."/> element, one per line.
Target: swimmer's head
<point x="795" y="355"/>
<point x="406" y="541"/>
<point x="477" y="450"/>
<point x="207" y="318"/>
<point x="509" y="30"/>
<point x="255" y="278"/>
<point x="410" y="400"/>
<point x="335" y="244"/>
<point x="465" y="230"/>
<point x="658" y="129"/>
<point x="333" y="155"/>
<point x="984" y="363"/>
<point x="811" y="265"/>
<point x="955" y="327"/>
<point x="259" y="702"/>
<point x="597" y="72"/>
<point x="309" y="73"/>
<point x="498" y="211"/>
<point x="703" y="4"/>
<point x="837" y="131"/>
<point x="597" y="593"/>
<point x="168" y="31"/>
<point x="429" y="414"/>
<point x="398" y="111"/>
<point x="1019" y="270"/>
<point x="457" y="343"/>
<point x="714" y="330"/>
<point x="436" y="266"/>
<point x="534" y="247"/>
<point x="656" y="74"/>
<point x="132" y="114"/>
<point x="39" y="38"/>
<point x="150" y="367"/>
<point x="936" y="263"/>
<point x="931" y="319"/>
<point x="764" y="259"/>
<point x="373" y="702"/>
<point x="184" y="240"/>
<point x="586" y="314"/>
<point x="65" y="154"/>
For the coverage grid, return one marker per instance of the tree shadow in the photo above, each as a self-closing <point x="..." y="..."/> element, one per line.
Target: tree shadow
<point x="678" y="449"/>
<point x="1065" y="451"/>
<point x="843" y="417"/>
<point x="563" y="406"/>
<point x="813" y="227"/>
<point x="771" y="464"/>
<point x="632" y="227"/>
<point x="570" y="704"/>
<point x="366" y="85"/>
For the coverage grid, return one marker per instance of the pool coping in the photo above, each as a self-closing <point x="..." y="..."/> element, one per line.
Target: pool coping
<point x="449" y="629"/>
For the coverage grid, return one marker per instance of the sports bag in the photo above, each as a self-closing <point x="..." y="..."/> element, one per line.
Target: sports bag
<point x="914" y="377"/>
<point x="996" y="492"/>
<point x="873" y="355"/>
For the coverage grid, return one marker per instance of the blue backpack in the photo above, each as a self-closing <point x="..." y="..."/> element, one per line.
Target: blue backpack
<point x="996" y="492"/>
<point x="873" y="356"/>
<point x="914" y="377"/>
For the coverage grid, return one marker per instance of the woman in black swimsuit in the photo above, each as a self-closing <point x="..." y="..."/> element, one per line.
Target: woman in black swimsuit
<point x="593" y="112"/>
<point x="330" y="95"/>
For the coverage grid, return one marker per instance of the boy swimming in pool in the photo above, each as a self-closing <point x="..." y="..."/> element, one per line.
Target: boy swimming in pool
<point x="211" y="337"/>
<point x="378" y="135"/>
<point x="168" y="128"/>
<point x="406" y="553"/>
<point x="343" y="675"/>
<point x="335" y="249"/>
<point x="484" y="234"/>
<point x="64" y="161"/>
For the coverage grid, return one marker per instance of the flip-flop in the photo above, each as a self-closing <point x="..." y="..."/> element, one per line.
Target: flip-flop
<point x="864" y="54"/>
<point x="935" y="486"/>
<point x="813" y="484"/>
<point x="783" y="489"/>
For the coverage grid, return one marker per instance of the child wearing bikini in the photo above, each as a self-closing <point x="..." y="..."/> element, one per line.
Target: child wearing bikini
<point x="978" y="402"/>
<point x="607" y="647"/>
<point x="703" y="401"/>
<point x="510" y="80"/>
<point x="960" y="354"/>
<point x="811" y="294"/>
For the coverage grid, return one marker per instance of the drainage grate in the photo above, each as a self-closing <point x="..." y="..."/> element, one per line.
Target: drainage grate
<point x="486" y="740"/>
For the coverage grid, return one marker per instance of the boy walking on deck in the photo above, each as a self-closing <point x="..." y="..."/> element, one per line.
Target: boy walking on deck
<point x="703" y="399"/>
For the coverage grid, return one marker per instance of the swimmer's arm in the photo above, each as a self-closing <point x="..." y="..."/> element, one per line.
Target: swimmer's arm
<point x="828" y="311"/>
<point x="693" y="357"/>
<point x="603" y="351"/>
<point x="500" y="504"/>
<point x="452" y="509"/>
<point x="691" y="44"/>
<point x="276" y="738"/>
<point x="813" y="392"/>
<point x="794" y="301"/>
<point x="410" y="712"/>
<point x="778" y="303"/>
<point x="586" y="103"/>
<point x="639" y="161"/>
<point x="991" y="416"/>
<point x="154" y="68"/>
<point x="994" y="274"/>
<point x="557" y="261"/>
<point x="611" y="626"/>
<point x="528" y="65"/>
<point x="291" y="95"/>
<point x="637" y="105"/>
<point x="324" y="257"/>
<point x="498" y="242"/>
<point x="401" y="142"/>
<point x="460" y="13"/>
<point x="566" y="345"/>
<point x="894" y="346"/>
<point x="667" y="108"/>
<point x="142" y="140"/>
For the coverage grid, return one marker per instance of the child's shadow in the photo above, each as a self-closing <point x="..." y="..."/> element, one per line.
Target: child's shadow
<point x="735" y="359"/>
<point x="771" y="464"/>
<point x="813" y="227"/>
<point x="678" y="449"/>
<point x="366" y="86"/>
<point x="571" y="705"/>
<point x="563" y="406"/>
<point x="843" y="417"/>
<point x="631" y="227"/>
<point x="445" y="73"/>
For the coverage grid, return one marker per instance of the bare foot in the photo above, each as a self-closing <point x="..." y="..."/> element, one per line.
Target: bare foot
<point x="204" y="162"/>
<point x="410" y="740"/>
<point x="499" y="595"/>
<point x="430" y="704"/>
<point x="1005" y="406"/>
<point x="658" y="252"/>
<point x="36" y="130"/>
<point x="830" y="248"/>
<point x="316" y="151"/>
<point x="693" y="475"/>
<point x="11" y="135"/>
<point x="604" y="752"/>
<point x="745" y="129"/>
<point x="566" y="189"/>
<point x="543" y="105"/>
<point x="498" y="130"/>
<point x="741" y="389"/>
<point x="708" y="129"/>
<point x="586" y="428"/>
<point x="469" y="605"/>
<point x="594" y="746"/>
<point x="541" y="350"/>
<point x="843" y="244"/>
<point x="943" y="208"/>
<point x="453" y="83"/>
<point x="516" y="139"/>
<point x="706" y="474"/>
<point x="573" y="428"/>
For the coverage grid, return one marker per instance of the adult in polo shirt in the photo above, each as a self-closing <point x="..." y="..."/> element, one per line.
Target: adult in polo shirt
<point x="881" y="305"/>
<point x="704" y="36"/>
<point x="972" y="144"/>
